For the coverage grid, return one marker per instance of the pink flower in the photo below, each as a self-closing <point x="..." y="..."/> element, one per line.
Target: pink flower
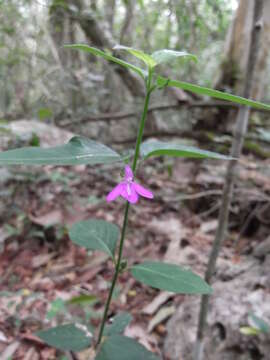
<point x="129" y="189"/>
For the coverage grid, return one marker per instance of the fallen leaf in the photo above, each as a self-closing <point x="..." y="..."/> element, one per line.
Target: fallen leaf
<point x="3" y="337"/>
<point x="140" y="334"/>
<point x="31" y="354"/>
<point x="209" y="226"/>
<point x="51" y="218"/>
<point x="42" y="259"/>
<point x="10" y="351"/>
<point x="162" y="315"/>
<point x="159" y="300"/>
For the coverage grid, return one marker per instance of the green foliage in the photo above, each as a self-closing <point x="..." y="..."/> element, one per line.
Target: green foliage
<point x="95" y="235"/>
<point x="196" y="89"/>
<point x="147" y="59"/>
<point x="163" y="56"/>
<point x="56" y="306"/>
<point x="107" y="56"/>
<point x="69" y="337"/>
<point x="103" y="236"/>
<point x="118" y="325"/>
<point x="170" y="277"/>
<point x="158" y="148"/>
<point x="45" y="113"/>
<point x="117" y="347"/>
<point x="259" y="323"/>
<point x="166" y="56"/>
<point x="249" y="331"/>
<point x="83" y="300"/>
<point x="257" y="326"/>
<point x="158" y="57"/>
<point x="78" y="150"/>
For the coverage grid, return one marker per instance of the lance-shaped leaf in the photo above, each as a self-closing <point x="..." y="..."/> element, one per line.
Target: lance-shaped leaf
<point x="166" y="56"/>
<point x="78" y="150"/>
<point x="158" y="148"/>
<point x="82" y="300"/>
<point x="259" y="323"/>
<point x="248" y="330"/>
<point x="118" y="325"/>
<point x="161" y="82"/>
<point x="117" y="347"/>
<point x="69" y="337"/>
<point x="147" y="59"/>
<point x="170" y="277"/>
<point x="107" y="56"/>
<point x="95" y="235"/>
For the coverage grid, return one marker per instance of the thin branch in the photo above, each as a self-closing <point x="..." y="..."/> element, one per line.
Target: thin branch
<point x="240" y="132"/>
<point x="128" y="114"/>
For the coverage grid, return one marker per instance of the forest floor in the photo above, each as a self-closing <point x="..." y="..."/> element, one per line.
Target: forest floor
<point x="43" y="273"/>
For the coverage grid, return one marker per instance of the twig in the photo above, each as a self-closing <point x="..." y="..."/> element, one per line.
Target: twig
<point x="195" y="196"/>
<point x="241" y="128"/>
<point x="128" y="114"/>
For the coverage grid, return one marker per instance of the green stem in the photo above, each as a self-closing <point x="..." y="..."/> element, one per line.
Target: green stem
<point x="142" y="122"/>
<point x="115" y="276"/>
<point x="123" y="232"/>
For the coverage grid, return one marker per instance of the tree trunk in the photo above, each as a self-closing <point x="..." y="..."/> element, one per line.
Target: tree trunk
<point x="126" y="31"/>
<point x="235" y="61"/>
<point x="110" y="13"/>
<point x="239" y="136"/>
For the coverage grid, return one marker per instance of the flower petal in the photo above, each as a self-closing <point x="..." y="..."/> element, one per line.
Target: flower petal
<point x="128" y="173"/>
<point x="129" y="193"/>
<point x="142" y="191"/>
<point x="115" y="192"/>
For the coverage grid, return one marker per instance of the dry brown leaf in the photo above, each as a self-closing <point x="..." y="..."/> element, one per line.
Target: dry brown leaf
<point x="159" y="300"/>
<point x="10" y="351"/>
<point x="138" y="333"/>
<point x="42" y="259"/>
<point x="163" y="314"/>
<point x="51" y="218"/>
<point x="31" y="354"/>
<point x="208" y="226"/>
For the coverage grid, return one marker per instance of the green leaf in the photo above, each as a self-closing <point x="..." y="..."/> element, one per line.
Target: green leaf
<point x="69" y="337"/>
<point x="95" y="235"/>
<point x="259" y="323"/>
<point x="107" y="56"/>
<point x="166" y="56"/>
<point x="45" y="113"/>
<point x="159" y="148"/>
<point x="147" y="59"/>
<point x="161" y="82"/>
<point x="118" y="325"/>
<point x="248" y="330"/>
<point x="170" y="277"/>
<point x="78" y="150"/>
<point x="117" y="347"/>
<point x="56" y="307"/>
<point x="82" y="300"/>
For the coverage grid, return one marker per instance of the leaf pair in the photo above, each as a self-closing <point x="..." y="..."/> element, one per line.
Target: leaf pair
<point x="166" y="56"/>
<point x="77" y="337"/>
<point x="101" y="235"/>
<point x="157" y="58"/>
<point x="80" y="150"/>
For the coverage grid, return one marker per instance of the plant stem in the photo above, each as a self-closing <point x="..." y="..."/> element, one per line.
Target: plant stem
<point x="115" y="276"/>
<point x="142" y="122"/>
<point x="123" y="232"/>
<point x="240" y="132"/>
